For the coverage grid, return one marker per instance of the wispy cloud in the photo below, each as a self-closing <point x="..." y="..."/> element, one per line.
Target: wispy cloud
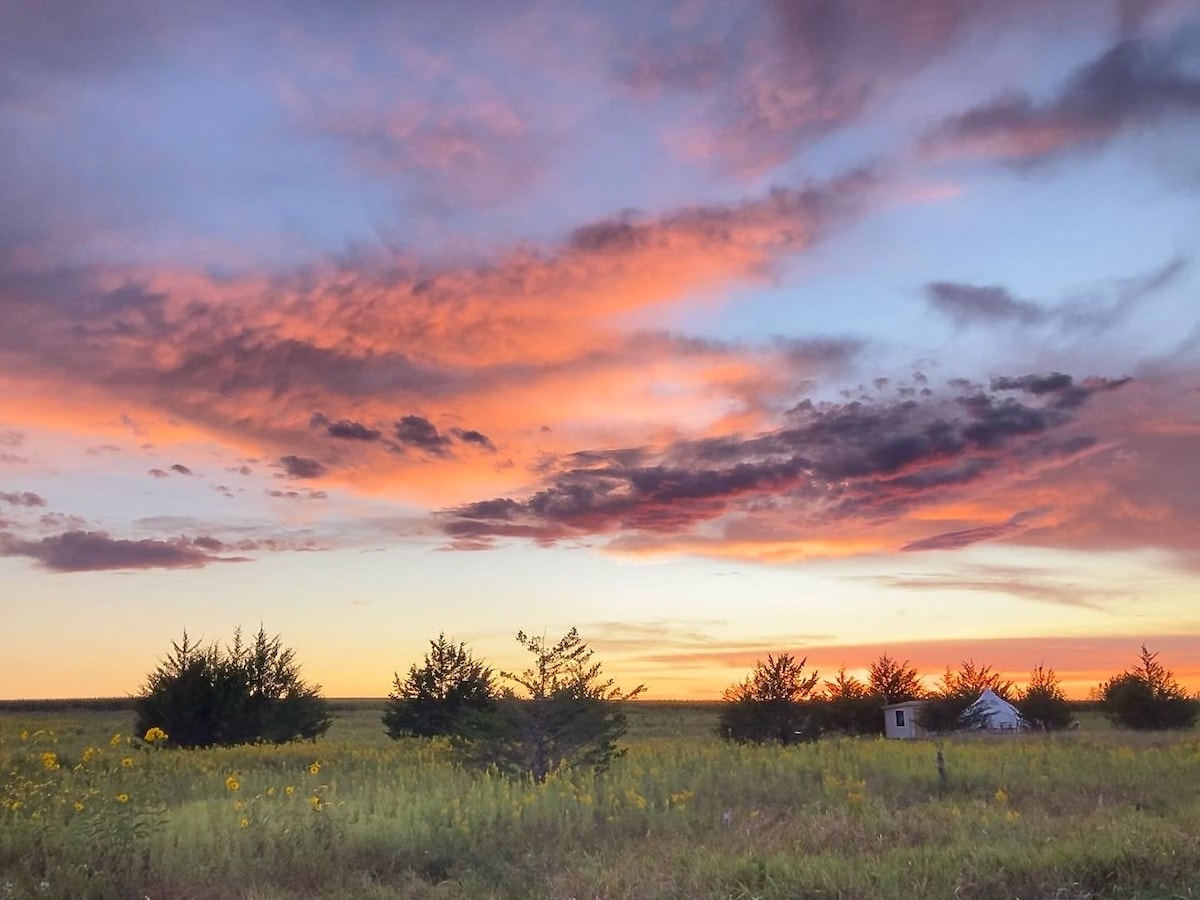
<point x="1135" y="83"/>
<point x="22" y="498"/>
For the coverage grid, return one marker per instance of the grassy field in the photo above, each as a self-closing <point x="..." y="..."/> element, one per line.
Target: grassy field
<point x="87" y="810"/>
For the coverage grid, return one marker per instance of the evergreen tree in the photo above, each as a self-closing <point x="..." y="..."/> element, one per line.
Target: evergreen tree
<point x="1043" y="704"/>
<point x="204" y="696"/>
<point x="772" y="705"/>
<point x="450" y="695"/>
<point x="1148" y="697"/>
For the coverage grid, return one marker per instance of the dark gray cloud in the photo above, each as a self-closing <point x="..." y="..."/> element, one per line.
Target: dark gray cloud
<point x="419" y="433"/>
<point x="1100" y="307"/>
<point x="158" y="473"/>
<point x="301" y="467"/>
<point x="471" y="436"/>
<point x="22" y="498"/>
<point x="969" y="304"/>
<point x="832" y="461"/>
<point x="1134" y="83"/>
<point x="95" y="551"/>
<point x="352" y="431"/>
<point x="181" y="469"/>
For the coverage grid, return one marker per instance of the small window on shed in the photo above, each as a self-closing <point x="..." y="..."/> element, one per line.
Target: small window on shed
<point x="899" y="718"/>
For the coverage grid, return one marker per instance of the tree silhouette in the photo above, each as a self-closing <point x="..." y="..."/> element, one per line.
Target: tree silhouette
<point x="204" y="696"/>
<point x="450" y="695"/>
<point x="1043" y="704"/>
<point x="560" y="712"/>
<point x="1148" y="697"/>
<point x="848" y="705"/>
<point x="893" y="681"/>
<point x="771" y="705"/>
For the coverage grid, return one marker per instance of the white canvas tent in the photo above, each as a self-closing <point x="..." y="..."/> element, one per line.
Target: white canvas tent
<point x="994" y="713"/>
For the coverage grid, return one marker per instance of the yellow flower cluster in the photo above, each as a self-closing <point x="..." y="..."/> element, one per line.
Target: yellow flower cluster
<point x="155" y="735"/>
<point x="50" y="760"/>
<point x="232" y="783"/>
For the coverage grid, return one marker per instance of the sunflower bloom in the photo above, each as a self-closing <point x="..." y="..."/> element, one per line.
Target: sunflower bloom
<point x="127" y="762"/>
<point x="231" y="783"/>
<point x="314" y="769"/>
<point x="122" y="798"/>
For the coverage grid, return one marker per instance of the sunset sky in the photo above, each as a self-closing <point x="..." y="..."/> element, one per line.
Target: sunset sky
<point x="714" y="329"/>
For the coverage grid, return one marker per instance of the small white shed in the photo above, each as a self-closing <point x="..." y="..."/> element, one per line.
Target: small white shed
<point x="900" y="719"/>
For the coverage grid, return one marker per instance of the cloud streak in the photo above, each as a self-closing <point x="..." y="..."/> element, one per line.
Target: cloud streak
<point x="96" y="551"/>
<point x="1134" y="84"/>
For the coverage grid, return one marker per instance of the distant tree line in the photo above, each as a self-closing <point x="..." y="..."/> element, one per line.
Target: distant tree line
<point x="561" y="711"/>
<point x="778" y="702"/>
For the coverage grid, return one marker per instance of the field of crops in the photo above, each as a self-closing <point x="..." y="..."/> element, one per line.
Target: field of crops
<point x="89" y="810"/>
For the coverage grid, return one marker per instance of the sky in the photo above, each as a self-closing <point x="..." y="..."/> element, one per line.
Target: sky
<point x="714" y="330"/>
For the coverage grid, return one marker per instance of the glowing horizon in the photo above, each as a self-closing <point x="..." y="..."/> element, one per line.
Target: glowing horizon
<point x="714" y="331"/>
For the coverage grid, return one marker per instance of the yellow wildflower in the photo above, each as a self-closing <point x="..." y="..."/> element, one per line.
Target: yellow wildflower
<point x="127" y="762"/>
<point x="1001" y="796"/>
<point x="90" y="753"/>
<point x="271" y="792"/>
<point x="50" y="760"/>
<point x="154" y="735"/>
<point x="314" y="801"/>
<point x="122" y="798"/>
<point x="314" y="769"/>
<point x="244" y="823"/>
<point x="78" y="806"/>
<point x="290" y="789"/>
<point x="24" y="734"/>
<point x="114" y="740"/>
<point x="232" y="783"/>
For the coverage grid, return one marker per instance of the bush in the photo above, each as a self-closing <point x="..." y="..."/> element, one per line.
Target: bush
<point x="1043" y="704"/>
<point x="847" y="705"/>
<point x="206" y="696"/>
<point x="561" y="712"/>
<point x="450" y="695"/>
<point x="772" y="705"/>
<point x="1147" y="697"/>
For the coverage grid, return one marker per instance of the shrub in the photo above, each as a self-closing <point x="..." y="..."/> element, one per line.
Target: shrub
<point x="772" y="705"/>
<point x="450" y="695"/>
<point x="560" y="712"/>
<point x="1043" y="704"/>
<point x="1147" y="697"/>
<point x="847" y="705"/>
<point x="208" y="696"/>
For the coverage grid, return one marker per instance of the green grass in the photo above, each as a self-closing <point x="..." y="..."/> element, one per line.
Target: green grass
<point x="1094" y="813"/>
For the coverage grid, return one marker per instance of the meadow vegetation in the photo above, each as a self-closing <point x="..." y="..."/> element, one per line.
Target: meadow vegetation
<point x="88" y="809"/>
